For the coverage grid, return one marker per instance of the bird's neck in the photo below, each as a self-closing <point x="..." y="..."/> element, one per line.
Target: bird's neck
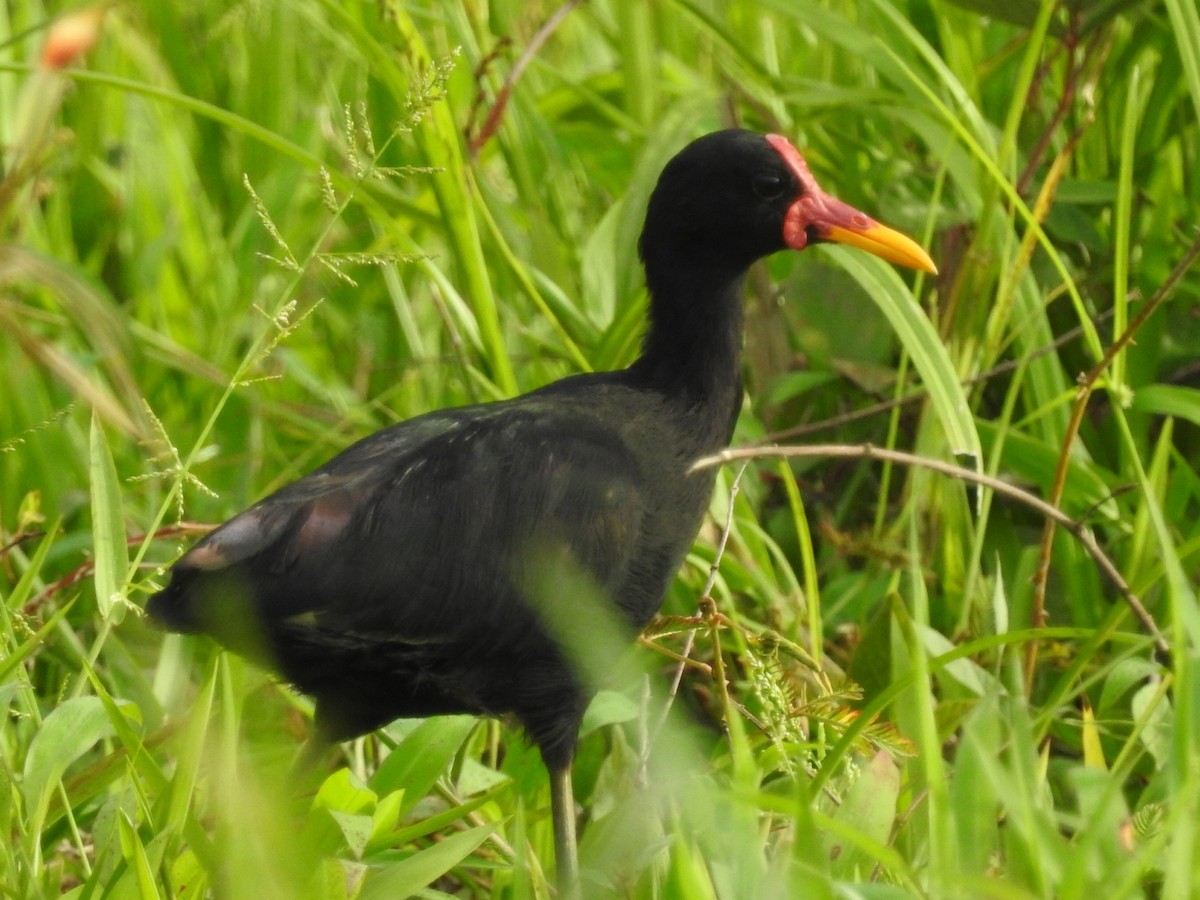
<point x="692" y="350"/>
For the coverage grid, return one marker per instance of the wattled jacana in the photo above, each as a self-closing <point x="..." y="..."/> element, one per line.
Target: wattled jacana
<point x="394" y="580"/>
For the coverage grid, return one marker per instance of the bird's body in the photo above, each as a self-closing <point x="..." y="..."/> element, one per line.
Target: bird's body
<point x="392" y="581"/>
<point x="398" y="579"/>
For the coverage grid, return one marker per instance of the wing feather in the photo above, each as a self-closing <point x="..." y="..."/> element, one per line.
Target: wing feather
<point x="423" y="531"/>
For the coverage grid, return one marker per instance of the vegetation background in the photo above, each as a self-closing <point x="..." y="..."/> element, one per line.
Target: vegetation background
<point x="236" y="236"/>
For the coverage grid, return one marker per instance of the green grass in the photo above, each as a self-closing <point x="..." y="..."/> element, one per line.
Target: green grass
<point x="242" y="235"/>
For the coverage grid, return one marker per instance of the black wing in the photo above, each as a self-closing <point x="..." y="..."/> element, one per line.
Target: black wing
<point x="423" y="532"/>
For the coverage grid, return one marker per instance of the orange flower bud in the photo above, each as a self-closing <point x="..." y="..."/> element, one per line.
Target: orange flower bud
<point x="71" y="37"/>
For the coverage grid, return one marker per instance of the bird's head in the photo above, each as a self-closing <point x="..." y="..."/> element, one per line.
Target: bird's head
<point x="734" y="196"/>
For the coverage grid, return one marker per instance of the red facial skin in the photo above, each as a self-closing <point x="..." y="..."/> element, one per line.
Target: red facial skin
<point x="822" y="215"/>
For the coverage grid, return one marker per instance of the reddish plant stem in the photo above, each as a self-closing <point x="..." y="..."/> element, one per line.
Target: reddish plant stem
<point x="491" y="122"/>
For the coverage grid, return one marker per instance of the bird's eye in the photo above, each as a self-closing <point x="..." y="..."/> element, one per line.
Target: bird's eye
<point x="769" y="187"/>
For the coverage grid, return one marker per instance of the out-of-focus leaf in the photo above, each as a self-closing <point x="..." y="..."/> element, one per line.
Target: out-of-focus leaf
<point x="607" y="708"/>
<point x="1151" y="702"/>
<point x="1086" y="489"/>
<point x="869" y="807"/>
<point x="1016" y="12"/>
<point x="67" y="733"/>
<point x="1093" y="751"/>
<point x="404" y="879"/>
<point x="1122" y="678"/>
<point x="1169" y="400"/>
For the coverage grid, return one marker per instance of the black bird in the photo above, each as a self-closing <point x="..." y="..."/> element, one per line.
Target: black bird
<point x="397" y="579"/>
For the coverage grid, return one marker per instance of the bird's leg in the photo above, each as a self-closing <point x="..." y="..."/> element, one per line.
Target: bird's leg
<point x="562" y="811"/>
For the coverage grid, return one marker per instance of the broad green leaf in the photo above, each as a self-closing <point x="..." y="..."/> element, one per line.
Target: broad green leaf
<point x="966" y="672"/>
<point x="344" y="792"/>
<point x="1122" y="678"/>
<point x="1151" y="704"/>
<point x="1087" y="488"/>
<point x="403" y="879"/>
<point x="423" y="756"/>
<point x="386" y="815"/>
<point x="869" y="807"/>
<point x="406" y="834"/>
<point x="796" y="384"/>
<point x="70" y="730"/>
<point x="355" y="829"/>
<point x="607" y="708"/>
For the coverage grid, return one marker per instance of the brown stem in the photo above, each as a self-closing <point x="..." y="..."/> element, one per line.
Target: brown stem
<point x="491" y="123"/>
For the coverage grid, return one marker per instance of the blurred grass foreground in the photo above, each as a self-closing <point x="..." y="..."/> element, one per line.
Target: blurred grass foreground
<point x="237" y="236"/>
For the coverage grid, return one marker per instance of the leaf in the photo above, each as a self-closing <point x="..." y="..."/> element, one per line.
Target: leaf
<point x="966" y="672"/>
<point x="403" y="879"/>
<point x="1185" y="26"/>
<point x="31" y="577"/>
<point x="869" y="808"/>
<point x="1151" y="703"/>
<point x="1084" y="192"/>
<point x="795" y="384"/>
<point x="188" y="878"/>
<point x="1169" y="400"/>
<point x="435" y="823"/>
<point x="1087" y="488"/>
<point x="421" y="757"/>
<point x="1000" y="617"/>
<point x="67" y="733"/>
<point x="474" y="778"/>
<point x="344" y="792"/>
<point x="108" y="527"/>
<point x="607" y="708"/>
<point x="924" y="347"/>
<point x="386" y="815"/>
<point x="871" y="665"/>
<point x="1124" y="675"/>
<point x="136" y="856"/>
<point x="1093" y="751"/>
<point x="356" y="830"/>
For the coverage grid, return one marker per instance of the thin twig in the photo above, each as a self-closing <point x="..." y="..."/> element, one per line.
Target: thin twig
<point x="1050" y="512"/>
<point x="21" y="538"/>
